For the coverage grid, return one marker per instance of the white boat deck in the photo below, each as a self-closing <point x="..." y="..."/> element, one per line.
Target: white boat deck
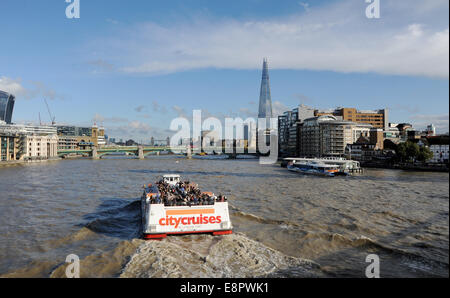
<point x="344" y="164"/>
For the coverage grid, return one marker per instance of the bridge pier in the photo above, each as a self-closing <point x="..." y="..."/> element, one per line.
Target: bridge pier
<point x="141" y="152"/>
<point x="94" y="153"/>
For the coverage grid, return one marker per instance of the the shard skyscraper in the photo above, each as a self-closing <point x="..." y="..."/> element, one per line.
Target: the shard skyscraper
<point x="265" y="99"/>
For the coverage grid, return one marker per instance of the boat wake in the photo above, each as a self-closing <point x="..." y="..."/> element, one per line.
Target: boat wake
<point x="256" y="218"/>
<point x="122" y="222"/>
<point x="233" y="256"/>
<point x="109" y="246"/>
<point x="190" y="256"/>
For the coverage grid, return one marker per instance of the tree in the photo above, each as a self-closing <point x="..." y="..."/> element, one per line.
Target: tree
<point x="389" y="145"/>
<point x="408" y="151"/>
<point x="412" y="150"/>
<point x="425" y="154"/>
<point x="401" y="152"/>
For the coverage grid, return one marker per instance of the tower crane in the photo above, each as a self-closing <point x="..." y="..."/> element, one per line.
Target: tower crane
<point x="52" y="118"/>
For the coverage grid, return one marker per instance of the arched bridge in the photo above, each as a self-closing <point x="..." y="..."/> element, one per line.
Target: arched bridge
<point x="138" y="151"/>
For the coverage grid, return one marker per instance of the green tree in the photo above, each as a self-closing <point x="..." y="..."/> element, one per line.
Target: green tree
<point x="425" y="154"/>
<point x="401" y="152"/>
<point x="408" y="151"/>
<point x="412" y="150"/>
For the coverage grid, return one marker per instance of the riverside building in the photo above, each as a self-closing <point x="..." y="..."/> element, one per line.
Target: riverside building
<point x="74" y="137"/>
<point x="288" y="130"/>
<point x="377" y="118"/>
<point x="326" y="136"/>
<point x="439" y="145"/>
<point x="24" y="142"/>
<point x="28" y="142"/>
<point x="367" y="148"/>
<point x="11" y="145"/>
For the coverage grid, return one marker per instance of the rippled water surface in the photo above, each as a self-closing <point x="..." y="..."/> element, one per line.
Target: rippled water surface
<point x="286" y="225"/>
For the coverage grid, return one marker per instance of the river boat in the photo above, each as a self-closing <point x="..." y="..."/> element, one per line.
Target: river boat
<point x="315" y="168"/>
<point x="177" y="217"/>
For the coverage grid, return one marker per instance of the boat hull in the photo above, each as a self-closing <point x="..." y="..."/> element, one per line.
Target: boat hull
<point x="162" y="236"/>
<point x="311" y="172"/>
<point x="159" y="221"/>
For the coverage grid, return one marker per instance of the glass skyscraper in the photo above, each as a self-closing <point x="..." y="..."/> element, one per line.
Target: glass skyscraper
<point x="265" y="99"/>
<point x="6" y="106"/>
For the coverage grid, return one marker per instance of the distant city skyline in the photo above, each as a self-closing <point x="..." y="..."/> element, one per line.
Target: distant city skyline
<point x="133" y="68"/>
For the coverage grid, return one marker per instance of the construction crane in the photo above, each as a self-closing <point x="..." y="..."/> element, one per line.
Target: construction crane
<point x="52" y="118"/>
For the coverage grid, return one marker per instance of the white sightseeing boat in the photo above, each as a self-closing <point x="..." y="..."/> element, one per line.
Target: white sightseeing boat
<point x="161" y="217"/>
<point x="315" y="168"/>
<point x="345" y="166"/>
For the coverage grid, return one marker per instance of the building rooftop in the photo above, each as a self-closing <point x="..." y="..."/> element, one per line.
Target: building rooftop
<point x="334" y="120"/>
<point x="438" y="140"/>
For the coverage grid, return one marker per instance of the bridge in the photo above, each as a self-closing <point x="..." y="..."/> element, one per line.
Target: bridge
<point x="139" y="151"/>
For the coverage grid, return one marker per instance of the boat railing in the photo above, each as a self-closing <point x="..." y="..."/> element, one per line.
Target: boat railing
<point x="345" y="165"/>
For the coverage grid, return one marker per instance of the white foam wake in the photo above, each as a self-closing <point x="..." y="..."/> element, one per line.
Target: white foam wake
<point x="234" y="256"/>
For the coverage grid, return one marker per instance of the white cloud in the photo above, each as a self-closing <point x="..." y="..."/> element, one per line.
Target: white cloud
<point x="441" y="122"/>
<point x="12" y="86"/>
<point x="117" y="127"/>
<point x="279" y="108"/>
<point x="30" y="90"/>
<point x="305" y="6"/>
<point x="101" y="66"/>
<point x="99" y="119"/>
<point x="159" y="108"/>
<point x="411" y="38"/>
<point x="180" y="111"/>
<point x="246" y="113"/>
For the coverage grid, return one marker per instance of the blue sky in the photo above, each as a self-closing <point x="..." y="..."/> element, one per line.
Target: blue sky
<point x="133" y="66"/>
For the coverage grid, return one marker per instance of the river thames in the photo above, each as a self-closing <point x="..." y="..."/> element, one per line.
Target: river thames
<point x="285" y="224"/>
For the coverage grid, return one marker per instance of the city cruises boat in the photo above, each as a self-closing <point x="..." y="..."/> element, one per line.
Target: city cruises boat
<point x="346" y="166"/>
<point x="315" y="168"/>
<point x="169" y="208"/>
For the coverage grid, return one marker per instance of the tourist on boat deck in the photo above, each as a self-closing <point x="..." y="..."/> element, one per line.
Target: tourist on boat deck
<point x="182" y="194"/>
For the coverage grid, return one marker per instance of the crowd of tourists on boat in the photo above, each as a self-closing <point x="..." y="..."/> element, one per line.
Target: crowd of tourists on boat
<point x="182" y="194"/>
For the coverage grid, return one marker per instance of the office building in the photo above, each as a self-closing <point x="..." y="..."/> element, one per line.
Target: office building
<point x="431" y="130"/>
<point x="41" y="146"/>
<point x="67" y="143"/>
<point x="28" y="142"/>
<point x="326" y="136"/>
<point x="11" y="146"/>
<point x="265" y="109"/>
<point x="288" y="130"/>
<point x="288" y="134"/>
<point x="378" y="118"/>
<point x="74" y="137"/>
<point x="6" y="107"/>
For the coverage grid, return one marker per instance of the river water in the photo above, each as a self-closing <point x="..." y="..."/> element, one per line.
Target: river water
<point x="285" y="224"/>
